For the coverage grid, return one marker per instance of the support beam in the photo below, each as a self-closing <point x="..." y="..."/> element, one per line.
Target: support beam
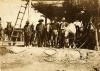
<point x="97" y="42"/>
<point x="96" y="37"/>
<point x="29" y="8"/>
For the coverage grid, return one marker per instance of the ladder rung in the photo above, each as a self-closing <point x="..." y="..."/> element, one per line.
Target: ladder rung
<point x="23" y="6"/>
<point x="20" y="18"/>
<point x="21" y="12"/>
<point x="14" y="36"/>
<point x="17" y="30"/>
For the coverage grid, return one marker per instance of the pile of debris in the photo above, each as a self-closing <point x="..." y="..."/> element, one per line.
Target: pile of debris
<point x="70" y="55"/>
<point x="4" y="50"/>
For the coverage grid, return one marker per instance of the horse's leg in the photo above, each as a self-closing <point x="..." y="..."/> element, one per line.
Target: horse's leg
<point x="61" y="41"/>
<point x="55" y="41"/>
<point x="66" y="39"/>
<point x="51" y="40"/>
<point x="74" y="45"/>
<point x="70" y="43"/>
<point x="66" y="42"/>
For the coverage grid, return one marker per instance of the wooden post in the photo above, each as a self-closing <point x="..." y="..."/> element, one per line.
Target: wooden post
<point x="29" y="7"/>
<point x="97" y="42"/>
<point x="96" y="37"/>
<point x="96" y="31"/>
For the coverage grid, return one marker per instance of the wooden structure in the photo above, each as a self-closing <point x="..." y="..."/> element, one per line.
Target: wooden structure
<point x="18" y="32"/>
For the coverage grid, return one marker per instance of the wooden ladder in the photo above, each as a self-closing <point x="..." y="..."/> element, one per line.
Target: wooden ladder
<point x="19" y="14"/>
<point x="18" y="31"/>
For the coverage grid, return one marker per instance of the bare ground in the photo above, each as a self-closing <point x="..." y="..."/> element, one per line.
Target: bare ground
<point x="48" y="59"/>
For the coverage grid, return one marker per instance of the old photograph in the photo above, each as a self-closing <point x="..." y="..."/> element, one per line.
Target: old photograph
<point x="49" y="35"/>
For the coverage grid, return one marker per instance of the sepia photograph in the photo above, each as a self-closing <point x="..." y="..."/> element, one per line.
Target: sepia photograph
<point x="49" y="35"/>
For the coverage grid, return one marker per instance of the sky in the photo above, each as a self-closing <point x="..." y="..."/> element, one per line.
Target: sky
<point x="9" y="10"/>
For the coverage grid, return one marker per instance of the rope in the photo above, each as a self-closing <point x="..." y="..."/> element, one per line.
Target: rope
<point x="82" y="44"/>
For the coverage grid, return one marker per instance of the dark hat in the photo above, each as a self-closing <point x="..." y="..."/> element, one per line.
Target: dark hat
<point x="27" y="22"/>
<point x="41" y="20"/>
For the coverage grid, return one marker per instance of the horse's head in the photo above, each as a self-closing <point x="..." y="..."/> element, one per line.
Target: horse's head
<point x="79" y="24"/>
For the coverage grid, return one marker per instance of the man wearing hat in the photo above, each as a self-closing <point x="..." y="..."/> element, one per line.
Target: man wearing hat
<point x="54" y="33"/>
<point x="27" y="34"/>
<point x="32" y="34"/>
<point x="61" y="32"/>
<point x="40" y="30"/>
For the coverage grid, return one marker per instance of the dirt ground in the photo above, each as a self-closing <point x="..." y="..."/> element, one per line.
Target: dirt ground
<point x="48" y="59"/>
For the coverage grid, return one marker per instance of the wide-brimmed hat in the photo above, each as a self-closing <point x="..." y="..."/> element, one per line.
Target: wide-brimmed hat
<point x="40" y="20"/>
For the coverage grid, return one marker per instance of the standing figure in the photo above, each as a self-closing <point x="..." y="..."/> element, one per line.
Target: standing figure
<point x="27" y="34"/>
<point x="54" y="36"/>
<point x="47" y="32"/>
<point x="85" y="18"/>
<point x="32" y="40"/>
<point x="62" y="33"/>
<point x="8" y="31"/>
<point x="40" y="33"/>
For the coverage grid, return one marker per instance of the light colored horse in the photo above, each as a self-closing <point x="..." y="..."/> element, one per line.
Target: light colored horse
<point x="71" y="28"/>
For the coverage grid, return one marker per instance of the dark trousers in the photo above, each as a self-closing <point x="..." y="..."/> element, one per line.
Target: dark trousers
<point x="40" y="39"/>
<point x="47" y="39"/>
<point x="9" y="39"/>
<point x="32" y="40"/>
<point x="26" y="40"/>
<point x="54" y="39"/>
<point x="61" y="39"/>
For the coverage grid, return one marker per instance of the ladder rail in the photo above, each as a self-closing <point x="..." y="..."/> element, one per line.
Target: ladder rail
<point x="17" y="17"/>
<point x="20" y="19"/>
<point x="22" y="15"/>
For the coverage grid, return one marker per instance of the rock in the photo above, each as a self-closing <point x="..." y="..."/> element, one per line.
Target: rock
<point x="68" y="54"/>
<point x="4" y="50"/>
<point x="83" y="54"/>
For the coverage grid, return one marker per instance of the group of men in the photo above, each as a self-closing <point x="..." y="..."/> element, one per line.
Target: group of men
<point x="49" y="34"/>
<point x="53" y="33"/>
<point x="46" y="35"/>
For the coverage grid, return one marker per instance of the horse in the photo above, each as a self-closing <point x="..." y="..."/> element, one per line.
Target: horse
<point x="70" y="33"/>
